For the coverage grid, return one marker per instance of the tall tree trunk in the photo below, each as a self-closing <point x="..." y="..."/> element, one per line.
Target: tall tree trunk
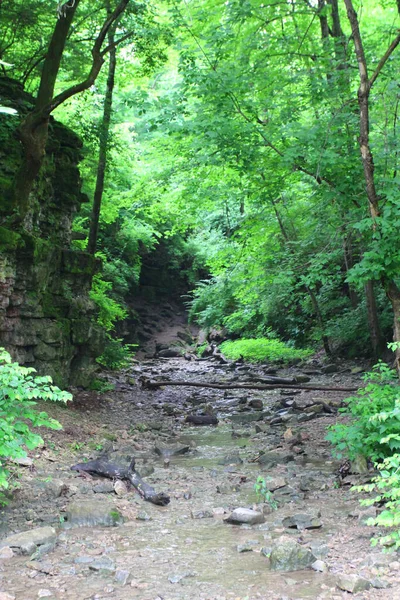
<point x="373" y="321"/>
<point x="364" y="89"/>
<point x="34" y="129"/>
<point x="104" y="136"/>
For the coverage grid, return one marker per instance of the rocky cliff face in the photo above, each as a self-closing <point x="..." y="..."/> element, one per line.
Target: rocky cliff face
<point x="46" y="317"/>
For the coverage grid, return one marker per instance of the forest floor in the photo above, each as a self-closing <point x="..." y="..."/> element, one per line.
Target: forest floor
<point x="186" y="550"/>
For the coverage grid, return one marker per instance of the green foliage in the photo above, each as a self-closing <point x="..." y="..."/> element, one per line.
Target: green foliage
<point x="386" y="490"/>
<point x="110" y="310"/>
<point x="19" y="391"/>
<point x="262" y="349"/>
<point x="262" y="491"/>
<point x="116" y="355"/>
<point x="374" y="428"/>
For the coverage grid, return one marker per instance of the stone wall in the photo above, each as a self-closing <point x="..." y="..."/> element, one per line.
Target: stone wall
<point x="46" y="317"/>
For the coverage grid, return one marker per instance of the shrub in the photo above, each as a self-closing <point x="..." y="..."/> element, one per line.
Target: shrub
<point x="262" y="349"/>
<point x="374" y="430"/>
<point x="109" y="309"/>
<point x="19" y="388"/>
<point x="116" y="355"/>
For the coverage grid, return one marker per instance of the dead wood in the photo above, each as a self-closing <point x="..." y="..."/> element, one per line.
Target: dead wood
<point x="104" y="468"/>
<point x="150" y="384"/>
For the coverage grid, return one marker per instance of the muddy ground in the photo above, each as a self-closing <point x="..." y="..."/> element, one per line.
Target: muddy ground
<point x="186" y="550"/>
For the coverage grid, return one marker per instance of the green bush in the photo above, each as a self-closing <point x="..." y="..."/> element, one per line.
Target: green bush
<point x="374" y="429"/>
<point x="116" y="355"/>
<point x="262" y="349"/>
<point x="19" y="388"/>
<point x="110" y="310"/>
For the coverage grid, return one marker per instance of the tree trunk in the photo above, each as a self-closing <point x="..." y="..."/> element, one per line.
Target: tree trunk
<point x="104" y="136"/>
<point x="34" y="129"/>
<point x="364" y="89"/>
<point x="373" y="321"/>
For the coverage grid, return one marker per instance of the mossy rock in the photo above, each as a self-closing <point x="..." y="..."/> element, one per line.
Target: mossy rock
<point x="10" y="240"/>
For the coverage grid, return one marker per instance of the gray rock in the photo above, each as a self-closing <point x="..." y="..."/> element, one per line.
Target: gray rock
<point x="287" y="555"/>
<point x="275" y="458"/>
<point x="320" y="566"/>
<point x="122" y="576"/>
<point x="202" y="514"/>
<point x="352" y="583"/>
<point x="231" y="459"/>
<point x="92" y="514"/>
<point x="275" y="483"/>
<point x="329" y="369"/>
<point x="167" y="452"/>
<point x="359" y="465"/>
<point x="143" y="516"/>
<point x="247" y="546"/>
<point x="179" y="576"/>
<point x="27" y="542"/>
<point x="302" y="521"/>
<point x="105" y="487"/>
<point x="104" y="563"/>
<point x="380" y="584"/>
<point x="247" y="516"/>
<point x="250" y="417"/>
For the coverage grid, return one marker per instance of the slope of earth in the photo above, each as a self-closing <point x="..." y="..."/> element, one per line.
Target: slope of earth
<point x="187" y="550"/>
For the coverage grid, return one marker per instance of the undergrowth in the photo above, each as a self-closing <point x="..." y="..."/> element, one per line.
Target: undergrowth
<point x="374" y="432"/>
<point x="262" y="349"/>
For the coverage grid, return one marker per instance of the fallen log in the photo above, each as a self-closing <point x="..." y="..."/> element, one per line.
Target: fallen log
<point x="150" y="384"/>
<point x="103" y="468"/>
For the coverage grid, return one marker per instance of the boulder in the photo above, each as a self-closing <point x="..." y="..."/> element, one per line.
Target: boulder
<point x="352" y="583"/>
<point x="28" y="542"/>
<point x="92" y="514"/>
<point x="246" y="516"/>
<point x="288" y="555"/>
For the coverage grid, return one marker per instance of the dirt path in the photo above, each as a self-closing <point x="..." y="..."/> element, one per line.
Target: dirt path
<point x="186" y="550"/>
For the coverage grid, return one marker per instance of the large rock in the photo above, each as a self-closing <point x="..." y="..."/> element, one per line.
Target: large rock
<point x="302" y="521"/>
<point x="92" y="514"/>
<point x="28" y="542"/>
<point x="352" y="583"/>
<point x="287" y="555"/>
<point x="245" y="516"/>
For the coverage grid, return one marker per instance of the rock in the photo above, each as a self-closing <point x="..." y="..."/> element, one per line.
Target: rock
<point x="170" y="353"/>
<point x="380" y="584"/>
<point x="122" y="576"/>
<point x="357" y="370"/>
<point x="167" y="452"/>
<point x="316" y="409"/>
<point x="56" y="488"/>
<point x="288" y="555"/>
<point x="245" y="515"/>
<point x="24" y="461"/>
<point x="274" y="458"/>
<point x="105" y="487"/>
<point x="305" y="417"/>
<point x="367" y="513"/>
<point x="6" y="553"/>
<point x="260" y="428"/>
<point x="256" y="403"/>
<point x="202" y="514"/>
<point x="231" y="459"/>
<point x="352" y="583"/>
<point x="179" y="576"/>
<point x="247" y="546"/>
<point x="103" y="563"/>
<point x="143" y="516"/>
<point x="302" y="521"/>
<point x="243" y="418"/>
<point x="44" y="593"/>
<point x="359" y="465"/>
<point x="301" y="379"/>
<point x="120" y="488"/>
<point x="5" y="596"/>
<point x="332" y="368"/>
<point x="27" y="542"/>
<point x="320" y="566"/>
<point x="92" y="514"/>
<point x="274" y="483"/>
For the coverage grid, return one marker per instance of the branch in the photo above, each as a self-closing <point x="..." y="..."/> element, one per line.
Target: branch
<point x="383" y="60"/>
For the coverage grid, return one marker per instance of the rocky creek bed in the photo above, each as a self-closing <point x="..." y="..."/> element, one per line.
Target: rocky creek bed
<point x="90" y="538"/>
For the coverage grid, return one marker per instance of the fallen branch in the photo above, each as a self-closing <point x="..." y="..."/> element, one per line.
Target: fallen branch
<point x="152" y="385"/>
<point x="102" y="467"/>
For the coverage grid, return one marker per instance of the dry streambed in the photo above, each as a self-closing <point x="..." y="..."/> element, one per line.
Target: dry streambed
<point x="92" y="538"/>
